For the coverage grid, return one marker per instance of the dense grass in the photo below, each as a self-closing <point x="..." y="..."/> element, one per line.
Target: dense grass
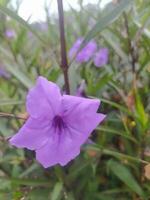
<point x="116" y="165"/>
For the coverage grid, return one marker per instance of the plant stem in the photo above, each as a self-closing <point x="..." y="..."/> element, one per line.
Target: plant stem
<point x="7" y="115"/>
<point x="64" y="61"/>
<point x="131" y="47"/>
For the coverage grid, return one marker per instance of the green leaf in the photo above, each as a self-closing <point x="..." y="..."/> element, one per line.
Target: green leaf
<point x="111" y="39"/>
<point x="108" y="19"/>
<point x="124" y="174"/>
<point x="39" y="194"/>
<point x="116" y="105"/>
<point x="140" y="112"/>
<point x="116" y="132"/>
<point x="57" y="191"/>
<point x="115" y="154"/>
<point x="19" y="75"/>
<point x="74" y="78"/>
<point x="96" y="87"/>
<point x="30" y="182"/>
<point x="29" y="170"/>
<point x="15" y="69"/>
<point x="21" y="21"/>
<point x="10" y="102"/>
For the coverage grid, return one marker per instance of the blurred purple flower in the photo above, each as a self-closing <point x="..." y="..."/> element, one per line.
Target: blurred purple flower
<point x="101" y="57"/>
<point x="44" y="27"/>
<point x="86" y="53"/>
<point x="4" y="74"/>
<point x="81" y="89"/>
<point x="9" y="33"/>
<point x="30" y="34"/>
<point x="74" y="49"/>
<point x="58" y="124"/>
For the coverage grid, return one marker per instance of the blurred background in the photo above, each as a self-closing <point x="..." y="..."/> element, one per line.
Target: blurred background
<point x="115" y="165"/>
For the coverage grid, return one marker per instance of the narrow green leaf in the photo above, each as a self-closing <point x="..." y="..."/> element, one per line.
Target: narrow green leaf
<point x="30" y="182"/>
<point x="116" y="132"/>
<point x="10" y="102"/>
<point x="56" y="191"/>
<point x="124" y="174"/>
<point x="115" y="154"/>
<point x="146" y="31"/>
<point x="29" y="170"/>
<point x="110" y="38"/>
<point x="14" y="69"/>
<point x="108" y="19"/>
<point x="140" y="112"/>
<point x="116" y="105"/>
<point x="19" y="75"/>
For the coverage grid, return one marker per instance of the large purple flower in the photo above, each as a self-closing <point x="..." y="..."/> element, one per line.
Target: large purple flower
<point x="101" y="57"/>
<point x="85" y="54"/>
<point x="58" y="124"/>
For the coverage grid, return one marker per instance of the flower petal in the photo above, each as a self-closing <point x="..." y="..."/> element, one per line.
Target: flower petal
<point x="33" y="135"/>
<point x="87" y="52"/>
<point x="80" y="114"/>
<point x="82" y="128"/>
<point x="74" y="49"/>
<point x="47" y="155"/>
<point x="69" y="103"/>
<point x="44" y="99"/>
<point x="101" y="57"/>
<point x="58" y="150"/>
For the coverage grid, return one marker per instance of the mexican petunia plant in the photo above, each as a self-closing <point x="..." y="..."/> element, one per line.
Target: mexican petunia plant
<point x="101" y="57"/>
<point x="10" y="33"/>
<point x="57" y="125"/>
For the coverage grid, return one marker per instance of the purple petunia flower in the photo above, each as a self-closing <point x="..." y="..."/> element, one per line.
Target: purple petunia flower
<point x="74" y="49"/>
<point x="85" y="54"/>
<point x="4" y="74"/>
<point x="101" y="57"/>
<point x="9" y="33"/>
<point x="58" y="124"/>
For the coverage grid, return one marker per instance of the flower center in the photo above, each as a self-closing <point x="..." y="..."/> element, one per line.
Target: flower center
<point x="58" y="123"/>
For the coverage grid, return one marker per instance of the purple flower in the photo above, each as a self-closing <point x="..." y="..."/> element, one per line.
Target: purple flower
<point x="9" y="33"/>
<point x="4" y="74"/>
<point x="101" y="57"/>
<point x="30" y="34"/>
<point x="86" y="53"/>
<point x="74" y="49"/>
<point x="58" y="124"/>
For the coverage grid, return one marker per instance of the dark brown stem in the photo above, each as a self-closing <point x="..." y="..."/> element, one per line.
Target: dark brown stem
<point x="9" y="115"/>
<point x="64" y="61"/>
<point x="131" y="47"/>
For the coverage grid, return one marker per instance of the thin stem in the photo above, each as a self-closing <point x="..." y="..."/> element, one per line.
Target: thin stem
<point x="64" y="61"/>
<point x="131" y="48"/>
<point x="7" y="115"/>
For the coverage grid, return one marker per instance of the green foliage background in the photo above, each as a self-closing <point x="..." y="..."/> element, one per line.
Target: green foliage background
<point x="112" y="168"/>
